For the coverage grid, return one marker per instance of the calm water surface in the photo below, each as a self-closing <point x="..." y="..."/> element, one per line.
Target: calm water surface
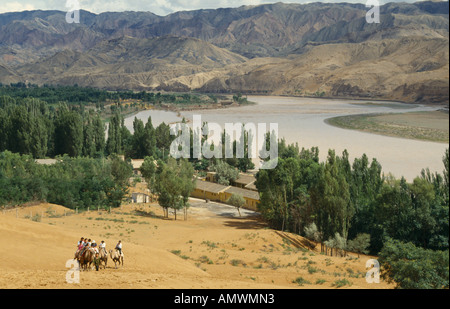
<point x="301" y="120"/>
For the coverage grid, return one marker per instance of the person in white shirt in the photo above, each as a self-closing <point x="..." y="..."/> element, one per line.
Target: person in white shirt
<point x="103" y="245"/>
<point x="94" y="246"/>
<point x="119" y="247"/>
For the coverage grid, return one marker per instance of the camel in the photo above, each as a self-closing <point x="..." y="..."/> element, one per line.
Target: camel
<point x="103" y="256"/>
<point x="86" y="259"/>
<point x="116" y="257"/>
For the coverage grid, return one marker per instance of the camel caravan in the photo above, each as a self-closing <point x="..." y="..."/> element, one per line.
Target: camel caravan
<point x="90" y="254"/>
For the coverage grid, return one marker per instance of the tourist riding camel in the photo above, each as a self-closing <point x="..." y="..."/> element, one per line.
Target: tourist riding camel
<point x="102" y="246"/>
<point x="94" y="246"/>
<point x="119" y="247"/>
<point x="80" y="247"/>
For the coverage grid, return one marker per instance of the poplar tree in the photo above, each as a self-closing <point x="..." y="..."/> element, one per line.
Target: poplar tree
<point x="99" y="134"/>
<point x="114" y="142"/>
<point x="68" y="133"/>
<point x="331" y="200"/>
<point x="149" y="139"/>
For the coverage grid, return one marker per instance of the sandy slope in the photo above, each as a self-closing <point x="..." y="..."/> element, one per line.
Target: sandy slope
<point x="214" y="248"/>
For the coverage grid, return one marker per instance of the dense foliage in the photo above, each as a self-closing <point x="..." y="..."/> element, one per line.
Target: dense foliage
<point x="354" y="207"/>
<point x="82" y="96"/>
<point x="173" y="182"/>
<point x="72" y="182"/>
<point x="412" y="267"/>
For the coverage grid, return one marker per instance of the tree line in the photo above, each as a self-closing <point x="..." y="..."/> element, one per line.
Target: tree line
<point x="73" y="182"/>
<point x="30" y="129"/>
<point x="83" y="96"/>
<point x="30" y="126"/>
<point x="353" y="206"/>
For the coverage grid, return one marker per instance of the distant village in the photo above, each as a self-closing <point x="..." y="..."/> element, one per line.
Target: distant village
<point x="205" y="187"/>
<point x="208" y="189"/>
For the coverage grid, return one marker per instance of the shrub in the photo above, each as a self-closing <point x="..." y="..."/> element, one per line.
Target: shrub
<point x="301" y="281"/>
<point x="341" y="283"/>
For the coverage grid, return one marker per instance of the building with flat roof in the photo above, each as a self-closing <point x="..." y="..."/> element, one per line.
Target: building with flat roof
<point x="46" y="161"/>
<point x="251" y="197"/>
<point x="245" y="181"/>
<point x="208" y="190"/>
<point x="216" y="192"/>
<point x="140" y="198"/>
<point x="137" y="163"/>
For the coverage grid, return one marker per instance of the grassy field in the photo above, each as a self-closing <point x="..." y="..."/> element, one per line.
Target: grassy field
<point x="428" y="126"/>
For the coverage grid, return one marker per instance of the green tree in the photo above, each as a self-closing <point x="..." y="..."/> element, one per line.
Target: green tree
<point x="163" y="139"/>
<point x="4" y="127"/>
<point x="39" y="137"/>
<point x="68" y="133"/>
<point x="89" y="148"/>
<point x="174" y="184"/>
<point x="20" y="130"/>
<point x="121" y="172"/>
<point x="149" y="139"/>
<point x="331" y="200"/>
<point x="98" y="128"/>
<point x="338" y="243"/>
<point x="312" y="233"/>
<point x="148" y="171"/>
<point x="225" y="173"/>
<point x="359" y="244"/>
<point x="285" y="200"/>
<point x="411" y="267"/>
<point x="114" y="141"/>
<point x="186" y="176"/>
<point x="365" y="185"/>
<point x="137" y="150"/>
<point x="237" y="201"/>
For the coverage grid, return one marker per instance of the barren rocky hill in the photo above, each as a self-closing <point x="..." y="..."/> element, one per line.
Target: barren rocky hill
<point x="286" y="49"/>
<point x="409" y="69"/>
<point x="130" y="63"/>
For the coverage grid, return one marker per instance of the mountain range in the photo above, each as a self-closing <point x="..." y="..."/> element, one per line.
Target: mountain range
<point x="281" y="49"/>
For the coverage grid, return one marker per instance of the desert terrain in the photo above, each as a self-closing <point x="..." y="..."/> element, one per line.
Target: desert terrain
<point x="213" y="249"/>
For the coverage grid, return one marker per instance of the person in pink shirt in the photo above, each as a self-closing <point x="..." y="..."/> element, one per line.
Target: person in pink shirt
<point x="80" y="247"/>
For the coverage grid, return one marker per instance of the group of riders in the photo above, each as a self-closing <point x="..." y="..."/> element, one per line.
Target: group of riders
<point x="85" y="244"/>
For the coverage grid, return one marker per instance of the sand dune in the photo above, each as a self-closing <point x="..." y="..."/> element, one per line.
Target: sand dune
<point x="209" y="250"/>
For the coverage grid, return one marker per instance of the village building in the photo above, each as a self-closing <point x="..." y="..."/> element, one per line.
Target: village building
<point x="211" y="176"/>
<point x="138" y="197"/>
<point x="208" y="190"/>
<point x="46" y="161"/>
<point x="245" y="181"/>
<point x="212" y="191"/>
<point x="251" y="197"/>
<point x="137" y="163"/>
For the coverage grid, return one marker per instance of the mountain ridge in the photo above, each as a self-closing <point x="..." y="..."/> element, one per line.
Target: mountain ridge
<point x="279" y="48"/>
